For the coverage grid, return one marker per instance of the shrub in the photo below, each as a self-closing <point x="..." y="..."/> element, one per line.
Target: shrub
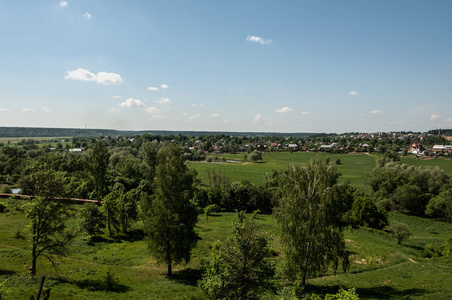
<point x="2" y="207"/>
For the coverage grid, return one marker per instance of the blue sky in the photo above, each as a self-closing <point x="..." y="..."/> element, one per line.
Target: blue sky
<point x="279" y="66"/>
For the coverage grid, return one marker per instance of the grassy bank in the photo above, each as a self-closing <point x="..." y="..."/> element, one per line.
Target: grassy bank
<point x="380" y="268"/>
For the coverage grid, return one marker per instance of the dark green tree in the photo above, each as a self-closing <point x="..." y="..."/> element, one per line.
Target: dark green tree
<point x="310" y="213"/>
<point x="255" y="156"/>
<point x="400" y="231"/>
<point x="171" y="220"/>
<point x="92" y="219"/>
<point x="441" y="206"/>
<point x="110" y="209"/>
<point x="100" y="159"/>
<point x="47" y="213"/>
<point x="128" y="210"/>
<point x="240" y="269"/>
<point x="365" y="213"/>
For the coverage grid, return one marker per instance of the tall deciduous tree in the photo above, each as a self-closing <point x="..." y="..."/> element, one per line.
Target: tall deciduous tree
<point x="47" y="213"/>
<point x="100" y="159"/>
<point x="310" y="215"/>
<point x="240" y="268"/>
<point x="172" y="217"/>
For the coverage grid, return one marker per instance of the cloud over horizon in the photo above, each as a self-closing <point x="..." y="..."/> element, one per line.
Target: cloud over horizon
<point x="152" y="110"/>
<point x="257" y="119"/>
<point x="163" y="101"/>
<point x="101" y="77"/>
<point x="284" y="110"/>
<point x="130" y="102"/>
<point x="354" y="93"/>
<point x="63" y="3"/>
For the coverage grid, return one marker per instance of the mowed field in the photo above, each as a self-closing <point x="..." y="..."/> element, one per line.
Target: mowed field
<point x="354" y="168"/>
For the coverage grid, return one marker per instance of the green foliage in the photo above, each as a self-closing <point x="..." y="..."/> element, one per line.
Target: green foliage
<point x="399" y="231"/>
<point x="364" y="212"/>
<point x="408" y="188"/>
<point x="92" y="219"/>
<point x="442" y="250"/>
<point x="255" y="156"/>
<point x="2" y="207"/>
<point x="350" y="294"/>
<point x="310" y="214"/>
<point x="47" y="215"/>
<point x="171" y="220"/>
<point x="441" y="206"/>
<point x="240" y="268"/>
<point x="209" y="209"/>
<point x="99" y="164"/>
<point x="110" y="209"/>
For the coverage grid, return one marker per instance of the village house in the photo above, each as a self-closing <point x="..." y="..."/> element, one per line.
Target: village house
<point x="416" y="148"/>
<point x="442" y="148"/>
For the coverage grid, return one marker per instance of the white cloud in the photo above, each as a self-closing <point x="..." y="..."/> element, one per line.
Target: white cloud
<point x="4" y="110"/>
<point x="101" y="77"/>
<point x="163" y="101"/>
<point x="353" y="93"/>
<point x="284" y="110"/>
<point x="215" y="116"/>
<point x="257" y="119"/>
<point x="194" y="117"/>
<point x="130" y="102"/>
<point x="256" y="39"/>
<point x="46" y="109"/>
<point x="113" y="110"/>
<point x="164" y="86"/>
<point x="434" y="117"/>
<point x="305" y="112"/>
<point x="376" y="111"/>
<point x="87" y="15"/>
<point x="63" y="3"/>
<point x="153" y="88"/>
<point x="117" y="97"/>
<point x="152" y="110"/>
<point x="28" y="110"/>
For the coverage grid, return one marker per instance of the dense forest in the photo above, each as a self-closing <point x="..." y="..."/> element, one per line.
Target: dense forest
<point x="17" y="132"/>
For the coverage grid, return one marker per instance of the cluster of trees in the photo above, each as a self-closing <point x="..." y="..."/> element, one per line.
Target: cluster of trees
<point x="421" y="191"/>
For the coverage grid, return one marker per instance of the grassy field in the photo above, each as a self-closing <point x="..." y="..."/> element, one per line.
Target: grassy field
<point x="380" y="268"/>
<point x="354" y="167"/>
<point x="41" y="140"/>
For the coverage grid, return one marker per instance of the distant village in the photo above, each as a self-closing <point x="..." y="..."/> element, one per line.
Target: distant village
<point x="420" y="144"/>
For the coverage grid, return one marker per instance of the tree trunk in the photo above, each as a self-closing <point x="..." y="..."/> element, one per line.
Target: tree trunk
<point x="34" y="247"/>
<point x="170" y="270"/>
<point x="33" y="260"/>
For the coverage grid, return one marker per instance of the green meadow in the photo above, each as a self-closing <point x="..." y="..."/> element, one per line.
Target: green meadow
<point x="354" y="168"/>
<point x="119" y="268"/>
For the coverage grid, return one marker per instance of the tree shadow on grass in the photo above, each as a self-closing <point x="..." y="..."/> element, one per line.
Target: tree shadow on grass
<point x="7" y="272"/>
<point x="187" y="276"/>
<point x="388" y="292"/>
<point x="378" y="292"/>
<point x="132" y="236"/>
<point x="101" y="285"/>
